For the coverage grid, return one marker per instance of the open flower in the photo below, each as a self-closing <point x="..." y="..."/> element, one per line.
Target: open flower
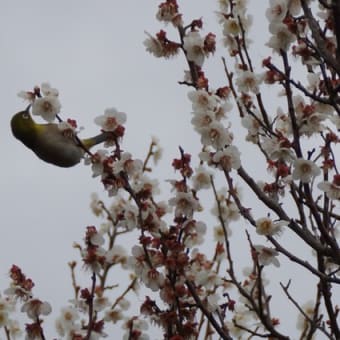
<point x="46" y="107"/>
<point x="305" y="170"/>
<point x="267" y="256"/>
<point x="265" y="226"/>
<point x="111" y="119"/>
<point x="331" y="189"/>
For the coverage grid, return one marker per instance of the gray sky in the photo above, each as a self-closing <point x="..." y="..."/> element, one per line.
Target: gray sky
<point x="92" y="52"/>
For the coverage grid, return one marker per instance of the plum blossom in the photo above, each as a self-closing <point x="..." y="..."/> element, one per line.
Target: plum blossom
<point x="331" y="189"/>
<point x="277" y="10"/>
<point x="216" y="135"/>
<point x="193" y="44"/>
<point x="202" y="100"/>
<point x="248" y="81"/>
<point x="305" y="170"/>
<point x="228" y="159"/>
<point x="152" y="278"/>
<point x="34" y="308"/>
<point x="281" y="37"/>
<point x="47" y="107"/>
<point x="265" y="226"/>
<point x="111" y="119"/>
<point x="201" y="178"/>
<point x="67" y="320"/>
<point x="267" y="256"/>
<point x="185" y="204"/>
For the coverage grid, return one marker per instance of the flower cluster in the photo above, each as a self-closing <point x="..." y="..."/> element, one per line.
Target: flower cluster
<point x="44" y="100"/>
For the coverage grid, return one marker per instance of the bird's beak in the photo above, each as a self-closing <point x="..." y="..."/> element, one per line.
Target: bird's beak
<point x="28" y="108"/>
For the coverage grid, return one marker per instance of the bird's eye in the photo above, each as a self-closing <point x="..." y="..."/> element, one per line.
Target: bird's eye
<point x="25" y="115"/>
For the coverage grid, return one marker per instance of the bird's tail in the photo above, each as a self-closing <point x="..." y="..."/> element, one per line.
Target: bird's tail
<point x="102" y="137"/>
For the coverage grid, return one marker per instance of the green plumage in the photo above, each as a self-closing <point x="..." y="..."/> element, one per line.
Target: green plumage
<point x="49" y="143"/>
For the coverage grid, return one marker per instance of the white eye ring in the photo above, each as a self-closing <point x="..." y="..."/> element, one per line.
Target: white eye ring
<point x="25" y="115"/>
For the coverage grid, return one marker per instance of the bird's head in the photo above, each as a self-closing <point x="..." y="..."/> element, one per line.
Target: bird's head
<point x="23" y="127"/>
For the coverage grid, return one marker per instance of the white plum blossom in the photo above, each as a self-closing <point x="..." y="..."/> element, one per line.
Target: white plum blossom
<point x="277" y="10"/>
<point x="305" y="170"/>
<point x="47" y="107"/>
<point x="194" y="233"/>
<point x="34" y="308"/>
<point x="117" y="254"/>
<point x="216" y="135"/>
<point x="66" y="321"/>
<point x="137" y="326"/>
<point x="111" y="119"/>
<point x="185" y="204"/>
<point x="128" y="165"/>
<point x="47" y="90"/>
<point x="97" y="162"/>
<point x="248" y="81"/>
<point x="281" y="37"/>
<point x="228" y="159"/>
<point x="231" y="26"/>
<point x="202" y="100"/>
<point x="309" y="310"/>
<point x="267" y="256"/>
<point x="201" y="178"/>
<point x="152" y="278"/>
<point x="193" y="44"/>
<point x="265" y="226"/>
<point x="202" y="120"/>
<point x="153" y="46"/>
<point x="331" y="189"/>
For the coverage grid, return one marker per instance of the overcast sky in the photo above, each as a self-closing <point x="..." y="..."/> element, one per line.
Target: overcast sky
<point x="92" y="51"/>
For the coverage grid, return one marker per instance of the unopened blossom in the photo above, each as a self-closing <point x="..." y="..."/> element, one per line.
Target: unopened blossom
<point x="277" y="10"/>
<point x="266" y="226"/>
<point x="267" y="256"/>
<point x="331" y="189"/>
<point x="228" y="159"/>
<point x="47" y="107"/>
<point x="248" y="81"/>
<point x="111" y="119"/>
<point x="305" y="170"/>
<point x="281" y="38"/>
<point x="193" y="44"/>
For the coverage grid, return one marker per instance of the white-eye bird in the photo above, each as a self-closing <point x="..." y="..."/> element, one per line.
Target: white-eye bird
<point x="49" y="142"/>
